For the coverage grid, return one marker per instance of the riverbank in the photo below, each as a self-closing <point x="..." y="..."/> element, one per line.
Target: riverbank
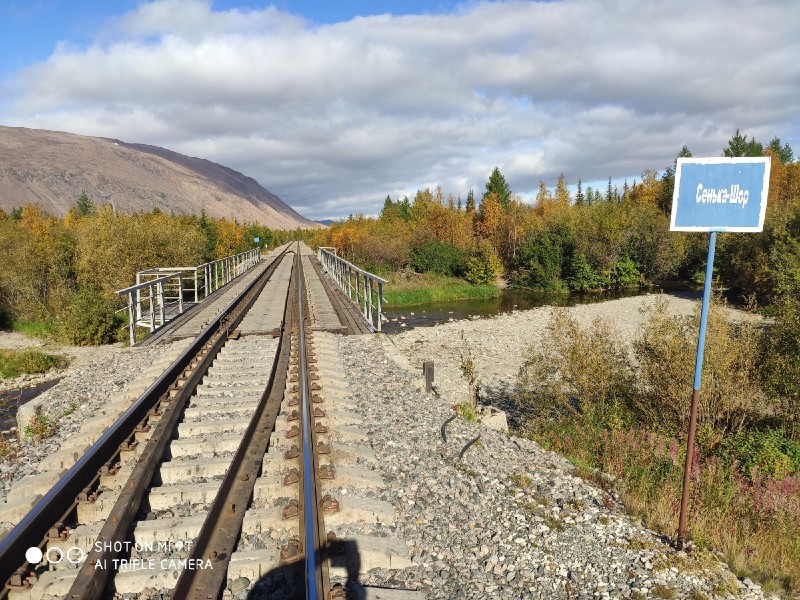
<point x="502" y="517"/>
<point x="499" y="346"/>
<point x="500" y="343"/>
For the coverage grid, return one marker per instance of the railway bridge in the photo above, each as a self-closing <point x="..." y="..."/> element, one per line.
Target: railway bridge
<point x="242" y="461"/>
<point x="276" y="448"/>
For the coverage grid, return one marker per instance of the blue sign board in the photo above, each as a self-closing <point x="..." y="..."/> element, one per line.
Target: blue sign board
<point x="256" y="240"/>
<point x="714" y="194"/>
<point x="720" y="194"/>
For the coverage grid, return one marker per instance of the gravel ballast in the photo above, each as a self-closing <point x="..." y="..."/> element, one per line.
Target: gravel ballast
<point x="509" y="519"/>
<point x="506" y="520"/>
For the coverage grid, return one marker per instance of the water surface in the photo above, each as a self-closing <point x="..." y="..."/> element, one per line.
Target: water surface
<point x="511" y="299"/>
<point x="12" y="399"/>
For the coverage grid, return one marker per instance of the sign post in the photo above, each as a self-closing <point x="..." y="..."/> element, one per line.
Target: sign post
<point x="714" y="195"/>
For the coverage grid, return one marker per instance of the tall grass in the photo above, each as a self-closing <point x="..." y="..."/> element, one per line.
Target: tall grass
<point x="37" y="329"/>
<point x="627" y="419"/>
<point x="423" y="288"/>
<point x="16" y="362"/>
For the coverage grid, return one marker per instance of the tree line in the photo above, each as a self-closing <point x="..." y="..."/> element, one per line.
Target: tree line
<point x="60" y="271"/>
<point x="63" y="272"/>
<point x="589" y="240"/>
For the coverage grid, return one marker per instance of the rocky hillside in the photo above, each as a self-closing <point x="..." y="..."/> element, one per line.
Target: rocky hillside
<point x="51" y="169"/>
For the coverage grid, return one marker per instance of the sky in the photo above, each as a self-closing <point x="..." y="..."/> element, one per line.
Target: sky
<point x="335" y="105"/>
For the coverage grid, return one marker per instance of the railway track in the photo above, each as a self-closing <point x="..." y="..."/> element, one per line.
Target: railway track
<point x="224" y="474"/>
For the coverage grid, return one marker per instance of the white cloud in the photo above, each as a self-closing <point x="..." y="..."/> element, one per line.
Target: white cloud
<point x="334" y="117"/>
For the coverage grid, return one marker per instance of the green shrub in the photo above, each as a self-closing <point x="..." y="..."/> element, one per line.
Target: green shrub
<point x="90" y="319"/>
<point x="544" y="257"/>
<point x="581" y="276"/>
<point x="625" y="273"/>
<point x="16" y="362"/>
<point x="770" y="452"/>
<point x="781" y="359"/>
<point x="436" y="257"/>
<point x="482" y="264"/>
<point x="583" y="369"/>
<point x="730" y="398"/>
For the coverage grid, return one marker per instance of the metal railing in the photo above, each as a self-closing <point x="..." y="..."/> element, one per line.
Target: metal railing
<point x="362" y="287"/>
<point x="161" y="294"/>
<point x="149" y="304"/>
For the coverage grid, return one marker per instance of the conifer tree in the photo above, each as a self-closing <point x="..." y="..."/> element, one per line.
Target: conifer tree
<point x="470" y="202"/>
<point x="497" y="185"/>
<point x="84" y="206"/>
<point x="784" y="153"/>
<point x="739" y="145"/>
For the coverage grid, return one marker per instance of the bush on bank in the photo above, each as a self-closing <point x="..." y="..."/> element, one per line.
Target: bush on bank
<point x="585" y="395"/>
<point x="59" y="275"/>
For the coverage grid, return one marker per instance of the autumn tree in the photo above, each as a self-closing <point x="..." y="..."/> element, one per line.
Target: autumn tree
<point x="489" y="216"/>
<point x="544" y="200"/>
<point x="649" y="190"/>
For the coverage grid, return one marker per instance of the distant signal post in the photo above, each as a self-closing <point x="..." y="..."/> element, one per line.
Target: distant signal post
<point x="714" y="195"/>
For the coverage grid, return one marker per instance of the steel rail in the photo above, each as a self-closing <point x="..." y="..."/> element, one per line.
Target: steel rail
<point x="223" y="525"/>
<point x="60" y="500"/>
<point x="91" y="581"/>
<point x="310" y="526"/>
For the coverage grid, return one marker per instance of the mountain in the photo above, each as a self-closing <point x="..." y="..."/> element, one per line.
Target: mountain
<point x="51" y="169"/>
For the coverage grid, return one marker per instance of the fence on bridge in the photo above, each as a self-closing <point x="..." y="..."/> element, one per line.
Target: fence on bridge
<point x="162" y="293"/>
<point x="362" y="287"/>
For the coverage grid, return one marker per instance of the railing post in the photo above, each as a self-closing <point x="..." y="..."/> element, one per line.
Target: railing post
<point x="380" y="304"/>
<point x="160" y="289"/>
<point x="138" y="300"/>
<point x="358" y="290"/>
<point x="132" y="317"/>
<point x="369" y="318"/>
<point x="180" y="291"/>
<point x="152" y="308"/>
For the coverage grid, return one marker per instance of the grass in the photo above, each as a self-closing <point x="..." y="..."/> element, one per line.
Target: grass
<point x="521" y="480"/>
<point x="662" y="591"/>
<point x="5" y="447"/>
<point x="37" y="329"/>
<point x="16" y="362"/>
<point x="751" y="522"/>
<point x="40" y="427"/>
<point x="412" y="289"/>
<point x="467" y="410"/>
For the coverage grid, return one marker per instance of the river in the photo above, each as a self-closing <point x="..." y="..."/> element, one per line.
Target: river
<point x="510" y="300"/>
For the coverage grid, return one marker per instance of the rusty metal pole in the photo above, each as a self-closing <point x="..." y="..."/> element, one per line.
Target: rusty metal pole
<point x="427" y="373"/>
<point x="698" y="371"/>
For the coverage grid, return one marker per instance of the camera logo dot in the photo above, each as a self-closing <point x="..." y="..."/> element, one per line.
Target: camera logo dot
<point x="33" y="555"/>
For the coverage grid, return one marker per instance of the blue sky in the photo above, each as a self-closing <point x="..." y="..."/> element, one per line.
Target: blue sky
<point x="334" y="105"/>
